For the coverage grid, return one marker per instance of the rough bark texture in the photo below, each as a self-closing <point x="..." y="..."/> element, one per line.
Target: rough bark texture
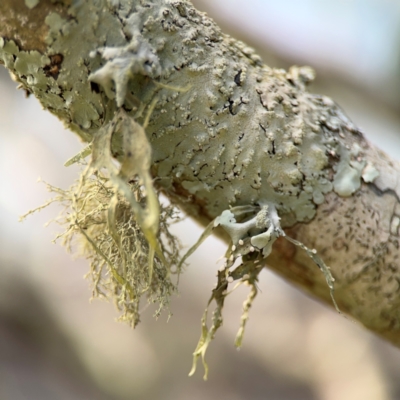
<point x="226" y="131"/>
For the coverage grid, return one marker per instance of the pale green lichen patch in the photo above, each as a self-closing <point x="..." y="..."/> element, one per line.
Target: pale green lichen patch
<point x="56" y="24"/>
<point x="31" y="3"/>
<point x="59" y="78"/>
<point x="348" y="174"/>
<point x="369" y="173"/>
<point x="347" y="180"/>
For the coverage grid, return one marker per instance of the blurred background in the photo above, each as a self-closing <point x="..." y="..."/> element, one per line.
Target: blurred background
<point x="55" y="344"/>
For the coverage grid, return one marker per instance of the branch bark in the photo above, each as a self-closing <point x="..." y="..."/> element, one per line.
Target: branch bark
<point x="226" y="131"/>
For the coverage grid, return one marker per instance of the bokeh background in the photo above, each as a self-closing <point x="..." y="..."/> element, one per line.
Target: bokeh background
<point x="55" y="344"/>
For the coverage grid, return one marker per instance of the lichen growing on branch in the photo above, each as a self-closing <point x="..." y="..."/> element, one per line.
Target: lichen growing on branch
<point x="253" y="231"/>
<point x="116" y="247"/>
<point x="167" y="101"/>
<point x="114" y="217"/>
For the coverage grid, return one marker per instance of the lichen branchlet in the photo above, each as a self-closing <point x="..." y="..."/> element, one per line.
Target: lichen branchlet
<point x="253" y="231"/>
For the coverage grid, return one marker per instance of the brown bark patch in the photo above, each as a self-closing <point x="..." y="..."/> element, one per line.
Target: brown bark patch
<point x="26" y="26"/>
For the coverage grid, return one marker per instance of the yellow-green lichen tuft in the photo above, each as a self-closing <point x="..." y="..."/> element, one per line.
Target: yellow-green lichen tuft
<point x="116" y="246"/>
<point x="114" y="219"/>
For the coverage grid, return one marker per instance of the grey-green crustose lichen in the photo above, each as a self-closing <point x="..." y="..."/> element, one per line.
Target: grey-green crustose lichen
<point x="225" y="130"/>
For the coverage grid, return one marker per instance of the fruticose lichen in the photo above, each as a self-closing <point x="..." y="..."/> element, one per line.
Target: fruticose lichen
<point x="112" y="217"/>
<point x="253" y="231"/>
<point x="116" y="247"/>
<point x="247" y="146"/>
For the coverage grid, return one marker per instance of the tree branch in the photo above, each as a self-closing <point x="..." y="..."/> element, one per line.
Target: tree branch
<point x="226" y="131"/>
